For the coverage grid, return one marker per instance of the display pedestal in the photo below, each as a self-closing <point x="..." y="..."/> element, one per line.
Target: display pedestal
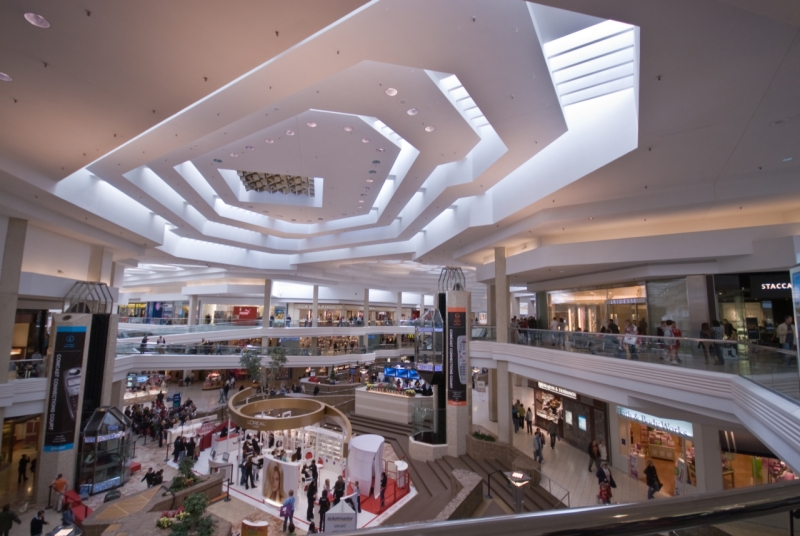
<point x="255" y="528"/>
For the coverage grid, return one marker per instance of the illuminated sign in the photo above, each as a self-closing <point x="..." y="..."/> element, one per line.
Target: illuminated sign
<point x="776" y="286"/>
<point x="626" y="301"/>
<point x="672" y="426"/>
<point x="517" y="475"/>
<point x="557" y="390"/>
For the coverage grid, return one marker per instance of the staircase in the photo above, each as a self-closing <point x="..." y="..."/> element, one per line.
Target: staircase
<point x="432" y="479"/>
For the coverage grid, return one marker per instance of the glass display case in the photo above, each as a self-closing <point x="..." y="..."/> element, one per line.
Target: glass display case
<point x="106" y="451"/>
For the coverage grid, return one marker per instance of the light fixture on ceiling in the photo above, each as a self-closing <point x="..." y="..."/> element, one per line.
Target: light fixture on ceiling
<point x="412" y="111"/>
<point x="5" y="78"/>
<point x="591" y="218"/>
<point x="380" y="149"/>
<point x="430" y="128"/>
<point x="788" y="159"/>
<point x="391" y="91"/>
<point x="364" y="140"/>
<point x="366" y="188"/>
<point x="360" y="200"/>
<point x="269" y="140"/>
<point x="250" y="148"/>
<point x="348" y="129"/>
<point x="217" y="160"/>
<point x="290" y="133"/>
<point x="37" y="20"/>
<point x="376" y="162"/>
<point x="234" y="155"/>
<point x="312" y="124"/>
<point x="372" y="172"/>
<point x="369" y="180"/>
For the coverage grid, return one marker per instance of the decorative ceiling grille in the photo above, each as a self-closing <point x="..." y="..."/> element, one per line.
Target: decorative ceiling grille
<point x="277" y="184"/>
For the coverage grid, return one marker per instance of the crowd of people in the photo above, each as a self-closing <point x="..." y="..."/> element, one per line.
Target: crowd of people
<point x="154" y="420"/>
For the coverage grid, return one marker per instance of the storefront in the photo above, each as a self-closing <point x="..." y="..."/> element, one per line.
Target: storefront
<point x="746" y="462"/>
<point x="157" y="312"/>
<point x="590" y="309"/>
<point x="580" y="419"/>
<point x="761" y="301"/>
<point x="665" y="442"/>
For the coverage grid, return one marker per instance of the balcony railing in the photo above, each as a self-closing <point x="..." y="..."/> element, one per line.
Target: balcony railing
<point x="128" y="348"/>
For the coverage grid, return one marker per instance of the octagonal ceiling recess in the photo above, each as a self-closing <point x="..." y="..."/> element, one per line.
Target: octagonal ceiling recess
<point x="476" y="142"/>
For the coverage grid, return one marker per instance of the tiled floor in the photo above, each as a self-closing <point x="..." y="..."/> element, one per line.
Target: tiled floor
<point x="565" y="467"/>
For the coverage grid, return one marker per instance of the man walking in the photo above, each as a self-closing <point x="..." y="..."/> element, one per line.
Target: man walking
<point x="538" y="445"/>
<point x="38" y="523"/>
<point x="60" y="487"/>
<point x="23" y="468"/>
<point x="552" y="429"/>
<point x="7" y="518"/>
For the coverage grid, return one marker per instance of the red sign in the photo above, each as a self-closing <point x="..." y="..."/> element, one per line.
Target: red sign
<point x="245" y="312"/>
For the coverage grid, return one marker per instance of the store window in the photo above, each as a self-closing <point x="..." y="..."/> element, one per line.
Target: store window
<point x="580" y="419"/>
<point x="754" y="304"/>
<point x="746" y="462"/>
<point x="589" y="310"/>
<point x="668" y="300"/>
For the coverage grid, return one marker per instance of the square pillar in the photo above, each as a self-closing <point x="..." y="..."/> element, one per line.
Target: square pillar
<point x="315" y="308"/>
<point x="493" y="395"/>
<point x="501" y="296"/>
<point x="459" y="386"/>
<point x="366" y="307"/>
<point x="707" y="457"/>
<point x="505" y="429"/>
<point x="491" y="305"/>
<point x="193" y="302"/>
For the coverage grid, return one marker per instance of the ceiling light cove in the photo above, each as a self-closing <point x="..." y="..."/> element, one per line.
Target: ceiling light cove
<point x="430" y="128"/>
<point x="312" y="124"/>
<point x="391" y="91"/>
<point x="412" y="111"/>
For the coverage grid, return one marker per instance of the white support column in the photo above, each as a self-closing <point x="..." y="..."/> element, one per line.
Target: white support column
<point x="515" y="306"/>
<point x="398" y="312"/>
<point x="491" y="305"/>
<point x="366" y="307"/>
<point x="707" y="457"/>
<point x="501" y="298"/>
<point x="505" y="430"/>
<point x="315" y="308"/>
<point x="193" y="310"/>
<point x="421" y="305"/>
<point x="267" y="300"/>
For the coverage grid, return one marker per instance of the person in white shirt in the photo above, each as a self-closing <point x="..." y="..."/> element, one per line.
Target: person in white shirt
<point x="603" y="451"/>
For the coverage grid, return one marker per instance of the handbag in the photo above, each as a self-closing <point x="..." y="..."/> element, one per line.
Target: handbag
<point x="658" y="485"/>
<point x="286" y="511"/>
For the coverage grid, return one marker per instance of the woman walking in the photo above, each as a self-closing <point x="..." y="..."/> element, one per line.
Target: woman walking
<point x="529" y="420"/>
<point x="594" y="455"/>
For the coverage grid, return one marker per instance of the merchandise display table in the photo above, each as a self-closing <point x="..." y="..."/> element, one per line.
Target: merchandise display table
<point x="402" y="473"/>
<point x="389" y="407"/>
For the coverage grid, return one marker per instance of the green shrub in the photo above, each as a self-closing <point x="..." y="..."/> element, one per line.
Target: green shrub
<point x="484" y="437"/>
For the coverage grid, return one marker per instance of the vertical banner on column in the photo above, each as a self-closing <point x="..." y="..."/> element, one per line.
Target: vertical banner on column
<point x="457" y="354"/>
<point x="61" y="410"/>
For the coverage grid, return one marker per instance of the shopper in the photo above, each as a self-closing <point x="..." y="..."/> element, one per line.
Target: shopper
<point x="324" y="506"/>
<point x="785" y="334"/>
<point x="288" y="509"/>
<point x="604" y="495"/>
<point x="23" y="468"/>
<point x="731" y="335"/>
<point x="671" y="342"/>
<point x="311" y="497"/>
<point x="338" y="490"/>
<point x="38" y="523"/>
<point x="631" y="332"/>
<point x="653" y="483"/>
<point x="312" y="528"/>
<point x="221" y="396"/>
<point x="514" y="417"/>
<point x="147" y="477"/>
<point x="383" y="490"/>
<point x="705" y="333"/>
<point x="529" y="420"/>
<point x="60" y="487"/>
<point x="7" y="519"/>
<point x="594" y="455"/>
<point x="552" y="429"/>
<point x="601" y="445"/>
<point x="603" y="474"/>
<point x="538" y="445"/>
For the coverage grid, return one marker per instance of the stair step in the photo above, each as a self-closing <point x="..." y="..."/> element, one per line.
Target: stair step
<point x="442" y="475"/>
<point x="536" y="494"/>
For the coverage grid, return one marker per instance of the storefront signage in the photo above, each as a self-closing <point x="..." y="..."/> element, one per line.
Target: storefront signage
<point x="626" y="301"/>
<point x="340" y="522"/>
<point x="776" y="286"/>
<point x="582" y="422"/>
<point x="672" y="426"/>
<point x="770" y="286"/>
<point x="557" y="390"/>
<point x="457" y="356"/>
<point x="65" y="388"/>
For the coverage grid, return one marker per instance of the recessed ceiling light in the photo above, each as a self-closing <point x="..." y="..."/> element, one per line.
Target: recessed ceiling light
<point x="391" y="91"/>
<point x="380" y="150"/>
<point x="312" y="124"/>
<point x="376" y="162"/>
<point x="364" y="140"/>
<point x="430" y="128"/>
<point x="412" y="111"/>
<point x="788" y="159"/>
<point x="591" y="218"/>
<point x="217" y="160"/>
<point x="361" y="200"/>
<point x="348" y="129"/>
<point x="290" y="133"/>
<point x="5" y="78"/>
<point x="372" y="172"/>
<point x="369" y="180"/>
<point x="250" y="148"/>
<point x="234" y="155"/>
<point x="37" y="20"/>
<point x="269" y="140"/>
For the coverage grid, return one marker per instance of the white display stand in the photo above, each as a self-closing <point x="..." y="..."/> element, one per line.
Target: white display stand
<point x="365" y="461"/>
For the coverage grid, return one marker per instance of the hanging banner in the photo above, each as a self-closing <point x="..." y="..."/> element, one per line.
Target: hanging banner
<point x="65" y="388"/>
<point x="457" y="356"/>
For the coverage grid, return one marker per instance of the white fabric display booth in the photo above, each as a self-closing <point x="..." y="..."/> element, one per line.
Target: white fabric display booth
<point x="365" y="462"/>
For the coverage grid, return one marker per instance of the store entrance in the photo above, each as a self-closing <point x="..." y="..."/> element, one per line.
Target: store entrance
<point x="672" y="456"/>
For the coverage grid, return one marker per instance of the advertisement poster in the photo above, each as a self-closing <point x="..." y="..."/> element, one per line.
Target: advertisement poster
<point x="680" y="478"/>
<point x="752" y="328"/>
<point x="457" y="352"/>
<point x="633" y="463"/>
<point x="280" y="317"/>
<point x="65" y="388"/>
<point x="245" y="313"/>
<point x="280" y="478"/>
